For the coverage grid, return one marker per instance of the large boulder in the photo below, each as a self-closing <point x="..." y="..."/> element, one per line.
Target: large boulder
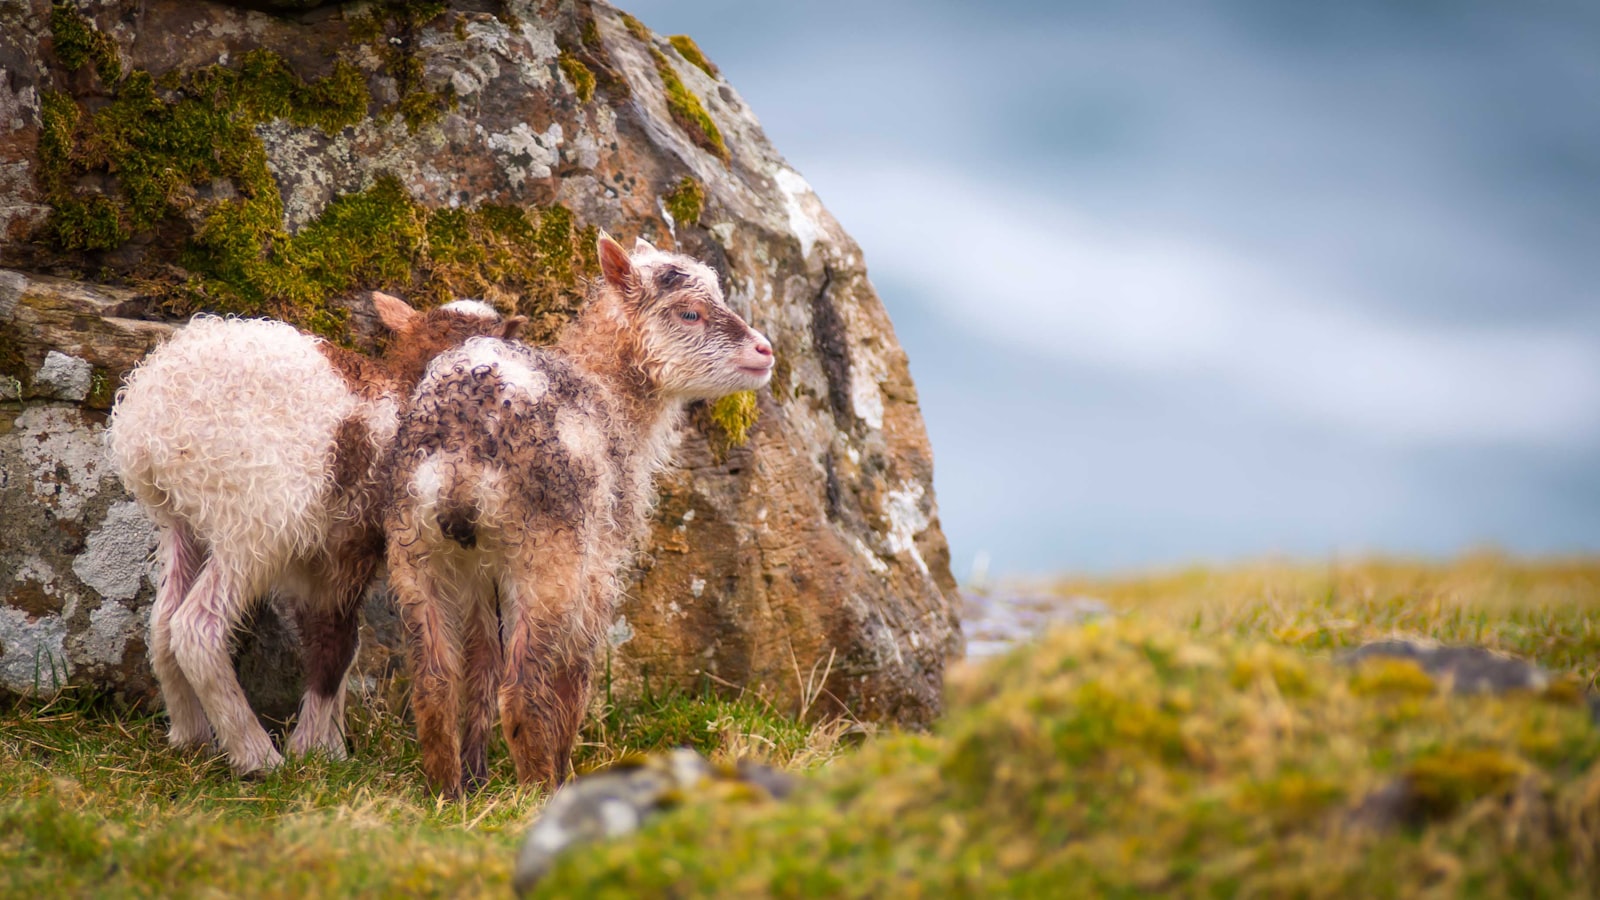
<point x="162" y="157"/>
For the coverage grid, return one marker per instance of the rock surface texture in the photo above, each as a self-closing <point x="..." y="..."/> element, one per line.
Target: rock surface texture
<point x="162" y="157"/>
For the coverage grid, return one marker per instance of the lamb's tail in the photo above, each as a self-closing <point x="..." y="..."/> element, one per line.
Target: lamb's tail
<point x="458" y="514"/>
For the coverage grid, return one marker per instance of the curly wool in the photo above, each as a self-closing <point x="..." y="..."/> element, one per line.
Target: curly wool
<point x="248" y="476"/>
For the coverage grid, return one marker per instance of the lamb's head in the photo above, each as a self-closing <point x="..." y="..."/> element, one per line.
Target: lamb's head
<point x="420" y="336"/>
<point x="694" y="346"/>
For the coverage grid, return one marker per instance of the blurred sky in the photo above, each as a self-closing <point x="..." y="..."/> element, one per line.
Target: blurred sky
<point x="1212" y="279"/>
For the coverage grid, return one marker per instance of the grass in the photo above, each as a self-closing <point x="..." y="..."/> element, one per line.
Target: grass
<point x="96" y="804"/>
<point x="1546" y="611"/>
<point x="1202" y="742"/>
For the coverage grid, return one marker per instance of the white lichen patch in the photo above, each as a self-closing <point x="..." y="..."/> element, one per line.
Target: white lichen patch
<point x="39" y="572"/>
<point x="873" y="562"/>
<point x="697" y="586"/>
<point x="64" y="377"/>
<point x="33" y="657"/>
<point x="798" y="199"/>
<point x="907" y="519"/>
<point x="866" y="398"/>
<point x="116" y="558"/>
<point x="524" y="153"/>
<point x="110" y="626"/>
<point x="63" y="457"/>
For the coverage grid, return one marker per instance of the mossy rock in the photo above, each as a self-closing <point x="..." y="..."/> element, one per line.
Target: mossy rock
<point x="1125" y="758"/>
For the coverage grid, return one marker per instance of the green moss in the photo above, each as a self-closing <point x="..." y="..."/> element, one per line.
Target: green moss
<point x="78" y="41"/>
<point x="636" y="28"/>
<point x="1448" y="779"/>
<point x="159" y="150"/>
<point x="102" y="389"/>
<point x="1124" y="759"/>
<point x="1385" y="675"/>
<point x="686" y="46"/>
<point x="730" y="420"/>
<point x="579" y="74"/>
<point x="589" y="53"/>
<point x="687" y="110"/>
<point x="686" y="201"/>
<point x="391" y="27"/>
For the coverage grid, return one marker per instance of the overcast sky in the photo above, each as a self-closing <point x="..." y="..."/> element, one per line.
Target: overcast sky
<point x="1190" y="281"/>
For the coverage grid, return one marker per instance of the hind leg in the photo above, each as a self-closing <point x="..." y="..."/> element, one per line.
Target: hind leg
<point x="435" y="668"/>
<point x="330" y="637"/>
<point x="482" y="658"/>
<point x="200" y="632"/>
<point x="180" y="557"/>
<point x="545" y="689"/>
<point x="329" y="623"/>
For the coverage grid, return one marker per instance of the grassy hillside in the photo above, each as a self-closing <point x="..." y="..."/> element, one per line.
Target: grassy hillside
<point x="1202" y="741"/>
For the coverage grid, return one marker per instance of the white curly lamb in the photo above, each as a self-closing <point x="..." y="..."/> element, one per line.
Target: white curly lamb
<point x="256" y="449"/>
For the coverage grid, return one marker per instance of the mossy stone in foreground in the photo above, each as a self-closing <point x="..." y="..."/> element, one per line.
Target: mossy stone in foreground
<point x="1125" y="758"/>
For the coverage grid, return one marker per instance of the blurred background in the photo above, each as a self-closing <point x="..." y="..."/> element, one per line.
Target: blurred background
<point x="1202" y="281"/>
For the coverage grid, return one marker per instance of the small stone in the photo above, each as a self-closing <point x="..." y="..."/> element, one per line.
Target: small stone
<point x="621" y="799"/>
<point x="1468" y="670"/>
<point x="64" y="377"/>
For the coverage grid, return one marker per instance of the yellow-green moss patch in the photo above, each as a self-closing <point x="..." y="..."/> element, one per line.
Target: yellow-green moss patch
<point x="579" y="74"/>
<point x="687" y="110"/>
<point x="390" y="27"/>
<point x="685" y="201"/>
<point x="686" y="46"/>
<point x="1124" y="759"/>
<point x="78" y="41"/>
<point x="160" y="151"/>
<point x="636" y="27"/>
<point x="730" y="420"/>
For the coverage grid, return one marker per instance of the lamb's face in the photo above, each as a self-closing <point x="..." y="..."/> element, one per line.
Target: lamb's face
<point x="697" y="348"/>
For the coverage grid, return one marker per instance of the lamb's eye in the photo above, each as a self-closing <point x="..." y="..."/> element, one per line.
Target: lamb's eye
<point x="689" y="315"/>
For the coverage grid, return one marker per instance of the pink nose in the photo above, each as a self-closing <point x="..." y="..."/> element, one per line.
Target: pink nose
<point x="762" y="347"/>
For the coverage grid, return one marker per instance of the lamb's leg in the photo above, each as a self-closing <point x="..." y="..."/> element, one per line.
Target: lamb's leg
<point x="435" y="670"/>
<point x="329" y="625"/>
<point x="330" y="637"/>
<point x="199" y="640"/>
<point x="180" y="560"/>
<point x="546" y="685"/>
<point x="483" y="664"/>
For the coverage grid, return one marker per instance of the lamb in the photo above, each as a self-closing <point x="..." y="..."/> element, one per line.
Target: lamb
<point x="257" y="450"/>
<point x="520" y="477"/>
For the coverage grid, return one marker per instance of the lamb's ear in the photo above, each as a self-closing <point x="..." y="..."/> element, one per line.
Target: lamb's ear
<point x="615" y="265"/>
<point x="393" y="312"/>
<point x="508" y="331"/>
<point x="640" y="245"/>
